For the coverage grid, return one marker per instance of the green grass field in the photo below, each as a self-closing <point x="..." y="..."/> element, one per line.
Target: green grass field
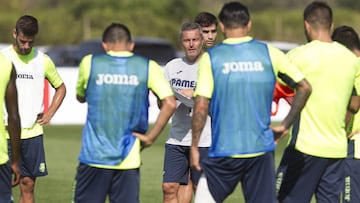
<point x="62" y="145"/>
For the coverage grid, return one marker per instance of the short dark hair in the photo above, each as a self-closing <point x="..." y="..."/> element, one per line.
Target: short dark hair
<point x="347" y="36"/>
<point x="189" y="26"/>
<point x="234" y="15"/>
<point x="319" y="15"/>
<point x="116" y="32"/>
<point x="205" y="19"/>
<point x="27" y="25"/>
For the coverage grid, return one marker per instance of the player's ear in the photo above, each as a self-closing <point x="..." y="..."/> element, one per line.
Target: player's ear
<point x="248" y="26"/>
<point x="105" y="46"/>
<point x="14" y="33"/>
<point x="307" y="26"/>
<point x="130" y="46"/>
<point x="332" y="27"/>
<point x="222" y="27"/>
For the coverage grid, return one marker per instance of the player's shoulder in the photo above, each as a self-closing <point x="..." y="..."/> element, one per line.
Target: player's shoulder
<point x="176" y="62"/>
<point x="5" y="61"/>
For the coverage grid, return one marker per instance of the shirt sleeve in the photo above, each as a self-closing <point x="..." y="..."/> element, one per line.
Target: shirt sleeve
<point x="205" y="79"/>
<point x="282" y="64"/>
<point x="157" y="81"/>
<point x="51" y="73"/>
<point x="84" y="74"/>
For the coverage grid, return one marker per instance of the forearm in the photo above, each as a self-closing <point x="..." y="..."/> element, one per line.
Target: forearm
<point x="14" y="127"/>
<point x="189" y="102"/>
<point x="167" y="109"/>
<point x="199" y="116"/>
<point x="354" y="104"/>
<point x="14" y="130"/>
<point x="57" y="99"/>
<point x="303" y="91"/>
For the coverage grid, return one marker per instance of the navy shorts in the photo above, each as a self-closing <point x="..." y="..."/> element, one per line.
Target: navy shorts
<point x="92" y="185"/>
<point x="256" y="174"/>
<point x="5" y="183"/>
<point x="351" y="190"/>
<point x="300" y="176"/>
<point x="32" y="163"/>
<point x="177" y="164"/>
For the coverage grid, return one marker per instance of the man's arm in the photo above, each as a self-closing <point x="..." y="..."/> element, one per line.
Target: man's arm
<point x="353" y="108"/>
<point x="80" y="99"/>
<point x="168" y="106"/>
<point x="186" y="98"/>
<point x="302" y="93"/>
<point x="57" y="99"/>
<point x="13" y="127"/>
<point x="200" y="113"/>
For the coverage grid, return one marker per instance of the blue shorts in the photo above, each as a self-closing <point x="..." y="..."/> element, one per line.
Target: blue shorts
<point x="351" y="190"/>
<point x="257" y="177"/>
<point x="5" y="183"/>
<point x="32" y="163"/>
<point x="300" y="176"/>
<point x="177" y="164"/>
<point x="92" y="185"/>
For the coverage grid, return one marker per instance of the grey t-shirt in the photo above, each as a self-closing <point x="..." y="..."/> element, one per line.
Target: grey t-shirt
<point x="182" y="75"/>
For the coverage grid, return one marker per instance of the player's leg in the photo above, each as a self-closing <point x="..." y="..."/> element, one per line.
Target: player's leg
<point x="203" y="194"/>
<point x="27" y="186"/>
<point x="298" y="176"/>
<point x="32" y="165"/>
<point x="176" y="172"/>
<point x="222" y="176"/>
<point x="258" y="183"/>
<point x="5" y="183"/>
<point x="125" y="186"/>
<point x="194" y="174"/>
<point x="185" y="192"/>
<point x="351" y="185"/>
<point x="331" y="182"/>
<point x="91" y="184"/>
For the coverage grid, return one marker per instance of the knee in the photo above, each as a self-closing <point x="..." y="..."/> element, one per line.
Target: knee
<point x="170" y="188"/>
<point x="27" y="183"/>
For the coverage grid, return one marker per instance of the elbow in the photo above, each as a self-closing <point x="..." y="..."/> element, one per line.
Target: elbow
<point x="14" y="120"/>
<point x="354" y="104"/>
<point x="305" y="87"/>
<point x="80" y="99"/>
<point x="169" y="103"/>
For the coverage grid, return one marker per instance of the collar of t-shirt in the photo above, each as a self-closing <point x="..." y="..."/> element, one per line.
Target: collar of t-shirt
<point x="120" y="53"/>
<point x="24" y="58"/>
<point x="237" y="40"/>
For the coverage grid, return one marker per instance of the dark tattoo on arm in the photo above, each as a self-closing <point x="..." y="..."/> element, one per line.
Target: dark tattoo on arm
<point x="199" y="118"/>
<point x="303" y="90"/>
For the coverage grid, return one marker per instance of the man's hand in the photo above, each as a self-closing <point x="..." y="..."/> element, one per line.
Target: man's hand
<point x="187" y="92"/>
<point x="43" y="118"/>
<point x="353" y="133"/>
<point x="145" y="140"/>
<point x="195" y="158"/>
<point x="16" y="171"/>
<point x="279" y="132"/>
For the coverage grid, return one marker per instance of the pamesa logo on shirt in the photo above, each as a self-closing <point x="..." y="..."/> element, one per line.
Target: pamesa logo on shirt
<point x="177" y="82"/>
<point x="117" y="79"/>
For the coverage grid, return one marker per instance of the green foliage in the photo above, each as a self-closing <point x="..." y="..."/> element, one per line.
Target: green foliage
<point x="72" y="21"/>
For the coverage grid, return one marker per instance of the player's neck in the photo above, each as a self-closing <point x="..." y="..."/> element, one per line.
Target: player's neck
<point x="235" y="33"/>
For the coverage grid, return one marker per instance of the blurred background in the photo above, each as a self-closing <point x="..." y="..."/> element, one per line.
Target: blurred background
<point x="70" y="29"/>
<point x="68" y="22"/>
